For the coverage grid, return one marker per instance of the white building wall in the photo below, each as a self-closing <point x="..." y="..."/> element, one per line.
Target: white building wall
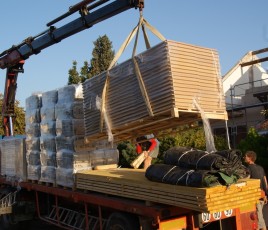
<point x="239" y="86"/>
<point x="242" y="79"/>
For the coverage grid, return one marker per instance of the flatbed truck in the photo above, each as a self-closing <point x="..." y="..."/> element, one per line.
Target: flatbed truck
<point x="76" y="208"/>
<point x="83" y="209"/>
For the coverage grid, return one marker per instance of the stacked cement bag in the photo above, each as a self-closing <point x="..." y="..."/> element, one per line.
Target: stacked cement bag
<point x="13" y="160"/>
<point x="32" y="121"/>
<point x="104" y="156"/>
<point x="47" y="138"/>
<point x="69" y="128"/>
<point x="94" y="154"/>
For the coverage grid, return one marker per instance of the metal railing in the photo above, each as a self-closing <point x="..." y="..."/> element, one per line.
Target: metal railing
<point x="7" y="202"/>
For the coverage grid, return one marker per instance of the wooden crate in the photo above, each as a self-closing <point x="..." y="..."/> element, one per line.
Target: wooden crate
<point x="174" y="74"/>
<point x="132" y="183"/>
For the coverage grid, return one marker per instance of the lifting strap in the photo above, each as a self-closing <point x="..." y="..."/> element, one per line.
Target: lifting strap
<point x="142" y="23"/>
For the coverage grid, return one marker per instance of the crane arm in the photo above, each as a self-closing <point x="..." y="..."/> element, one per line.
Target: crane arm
<point x="33" y="45"/>
<point x="8" y="106"/>
<point x="13" y="58"/>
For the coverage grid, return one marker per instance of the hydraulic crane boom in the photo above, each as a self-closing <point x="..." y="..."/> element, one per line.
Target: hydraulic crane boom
<point x="12" y="59"/>
<point x="8" y="107"/>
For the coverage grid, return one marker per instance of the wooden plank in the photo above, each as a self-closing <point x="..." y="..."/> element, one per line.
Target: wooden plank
<point x="137" y="176"/>
<point x="222" y="196"/>
<point x="186" y="116"/>
<point x="165" y="69"/>
<point x="5" y="210"/>
<point x="130" y="190"/>
<point x="182" y="201"/>
<point x="105" y="167"/>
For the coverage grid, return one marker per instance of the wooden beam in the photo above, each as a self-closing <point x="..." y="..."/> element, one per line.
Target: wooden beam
<point x="260" y="51"/>
<point x="254" y="62"/>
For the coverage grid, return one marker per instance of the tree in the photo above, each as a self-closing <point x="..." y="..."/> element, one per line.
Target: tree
<point x="19" y="124"/>
<point x="256" y="143"/>
<point x="102" y="55"/>
<point x="74" y="77"/>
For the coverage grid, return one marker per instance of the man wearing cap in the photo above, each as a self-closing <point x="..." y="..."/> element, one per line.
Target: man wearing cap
<point x="149" y="145"/>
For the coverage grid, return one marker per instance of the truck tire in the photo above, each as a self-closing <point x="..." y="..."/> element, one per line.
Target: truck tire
<point x="123" y="221"/>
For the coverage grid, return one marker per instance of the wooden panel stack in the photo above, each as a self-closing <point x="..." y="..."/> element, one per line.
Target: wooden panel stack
<point x="174" y="74"/>
<point x="132" y="183"/>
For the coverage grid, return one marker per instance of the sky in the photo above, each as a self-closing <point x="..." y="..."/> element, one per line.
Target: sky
<point x="232" y="27"/>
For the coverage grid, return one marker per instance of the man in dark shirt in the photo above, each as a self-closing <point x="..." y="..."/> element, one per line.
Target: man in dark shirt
<point x="257" y="172"/>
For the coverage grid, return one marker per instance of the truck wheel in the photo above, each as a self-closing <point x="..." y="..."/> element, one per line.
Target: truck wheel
<point x="123" y="221"/>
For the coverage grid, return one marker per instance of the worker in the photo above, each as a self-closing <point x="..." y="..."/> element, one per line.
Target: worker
<point x="149" y="145"/>
<point x="257" y="172"/>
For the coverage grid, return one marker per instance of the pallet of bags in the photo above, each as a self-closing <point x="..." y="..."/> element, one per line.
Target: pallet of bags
<point x="33" y="132"/>
<point x="69" y="127"/>
<point x="47" y="137"/>
<point x="13" y="158"/>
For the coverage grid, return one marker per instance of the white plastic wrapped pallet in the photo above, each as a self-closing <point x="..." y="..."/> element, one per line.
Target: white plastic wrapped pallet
<point x="69" y="127"/>
<point x="103" y="157"/>
<point x="33" y="102"/>
<point x="33" y="144"/>
<point x="69" y="111"/>
<point x="48" y="158"/>
<point x="32" y="116"/>
<point x="47" y="138"/>
<point x="32" y="129"/>
<point x="47" y="143"/>
<point x="69" y="94"/>
<point x="63" y="142"/>
<point x="59" y="151"/>
<point x="81" y="161"/>
<point x="33" y="158"/>
<point x="13" y="158"/>
<point x="49" y="98"/>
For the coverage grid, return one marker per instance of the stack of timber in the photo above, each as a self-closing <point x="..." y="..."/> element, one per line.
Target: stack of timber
<point x="131" y="183"/>
<point x="174" y="75"/>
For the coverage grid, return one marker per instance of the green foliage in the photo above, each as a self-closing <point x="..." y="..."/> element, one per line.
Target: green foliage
<point x="102" y="55"/>
<point x="256" y="143"/>
<point x="220" y="143"/>
<point x="194" y="138"/>
<point x="84" y="73"/>
<point x="19" y="123"/>
<point x="166" y="143"/>
<point x="127" y="154"/>
<point x="251" y="142"/>
<point x="74" y="77"/>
